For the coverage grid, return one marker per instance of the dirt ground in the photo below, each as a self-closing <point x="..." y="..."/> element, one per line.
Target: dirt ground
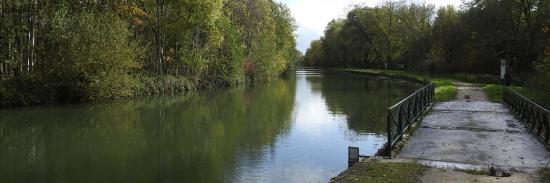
<point x="435" y="175"/>
<point x="470" y="92"/>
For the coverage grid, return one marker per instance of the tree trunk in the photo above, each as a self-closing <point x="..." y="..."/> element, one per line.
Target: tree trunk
<point x="158" y="37"/>
<point x="2" y="42"/>
<point x="30" y="34"/>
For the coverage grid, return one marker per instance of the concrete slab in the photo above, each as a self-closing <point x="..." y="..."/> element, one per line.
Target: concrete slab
<point x="475" y="133"/>
<point x="493" y="148"/>
<point x="471" y="106"/>
<point x="468" y="120"/>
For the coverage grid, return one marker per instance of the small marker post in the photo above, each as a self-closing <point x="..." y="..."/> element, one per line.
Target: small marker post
<point x="353" y="156"/>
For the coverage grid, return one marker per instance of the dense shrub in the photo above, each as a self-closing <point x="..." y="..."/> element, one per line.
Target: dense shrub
<point x="155" y="85"/>
<point x="98" y="56"/>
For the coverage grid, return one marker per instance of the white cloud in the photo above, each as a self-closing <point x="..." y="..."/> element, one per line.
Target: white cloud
<point x="312" y="16"/>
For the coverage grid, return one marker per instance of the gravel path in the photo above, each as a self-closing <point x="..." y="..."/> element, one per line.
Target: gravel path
<point x="470" y="92"/>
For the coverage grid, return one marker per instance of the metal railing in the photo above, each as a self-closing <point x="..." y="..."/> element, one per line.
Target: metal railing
<point x="406" y="112"/>
<point x="536" y="117"/>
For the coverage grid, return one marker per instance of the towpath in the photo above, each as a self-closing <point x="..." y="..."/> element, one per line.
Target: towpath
<point x="473" y="133"/>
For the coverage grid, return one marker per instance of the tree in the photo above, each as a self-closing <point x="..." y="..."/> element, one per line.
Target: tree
<point x="54" y="48"/>
<point x="97" y="56"/>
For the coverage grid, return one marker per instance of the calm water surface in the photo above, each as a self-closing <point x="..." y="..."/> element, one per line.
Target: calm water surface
<point x="294" y="129"/>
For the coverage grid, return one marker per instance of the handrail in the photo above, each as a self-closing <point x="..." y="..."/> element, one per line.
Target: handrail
<point x="406" y="112"/>
<point x="536" y="117"/>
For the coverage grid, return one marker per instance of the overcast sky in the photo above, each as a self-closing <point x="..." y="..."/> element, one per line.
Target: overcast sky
<point x="312" y="16"/>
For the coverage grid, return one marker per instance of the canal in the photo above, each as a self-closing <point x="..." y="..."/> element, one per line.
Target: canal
<point x="293" y="129"/>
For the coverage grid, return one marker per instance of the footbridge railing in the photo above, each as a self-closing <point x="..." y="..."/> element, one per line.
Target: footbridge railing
<point x="536" y="117"/>
<point x="403" y="114"/>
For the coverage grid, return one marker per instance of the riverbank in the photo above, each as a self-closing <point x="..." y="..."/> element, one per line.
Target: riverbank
<point x="445" y="88"/>
<point x="26" y="91"/>
<point x="35" y="90"/>
<point x="408" y="171"/>
<point x="381" y="172"/>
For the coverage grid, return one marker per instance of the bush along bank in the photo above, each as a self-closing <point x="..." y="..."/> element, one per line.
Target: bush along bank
<point x="33" y="91"/>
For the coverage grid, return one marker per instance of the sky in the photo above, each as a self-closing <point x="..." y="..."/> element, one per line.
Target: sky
<point x="312" y="16"/>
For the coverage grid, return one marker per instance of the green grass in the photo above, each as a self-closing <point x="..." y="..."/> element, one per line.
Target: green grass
<point x="545" y="175"/>
<point x="445" y="89"/>
<point x="375" y="171"/>
<point x="494" y="93"/>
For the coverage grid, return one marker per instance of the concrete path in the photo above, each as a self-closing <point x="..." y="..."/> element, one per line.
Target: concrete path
<point x="471" y="132"/>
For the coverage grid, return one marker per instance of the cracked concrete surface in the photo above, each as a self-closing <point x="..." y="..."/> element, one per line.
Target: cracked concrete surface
<point x="473" y="131"/>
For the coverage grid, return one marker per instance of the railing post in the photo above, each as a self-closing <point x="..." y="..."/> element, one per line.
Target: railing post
<point x="546" y="121"/>
<point x="390" y="139"/>
<point x="538" y="120"/>
<point x="400" y="120"/>
<point x="504" y="94"/>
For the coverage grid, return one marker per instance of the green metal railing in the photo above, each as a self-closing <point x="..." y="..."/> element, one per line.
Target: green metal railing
<point x="536" y="117"/>
<point x="406" y="112"/>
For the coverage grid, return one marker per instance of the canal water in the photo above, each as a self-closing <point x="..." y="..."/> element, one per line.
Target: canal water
<point x="293" y="129"/>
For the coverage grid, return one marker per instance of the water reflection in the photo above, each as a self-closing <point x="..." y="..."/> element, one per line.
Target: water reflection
<point x="364" y="100"/>
<point x="294" y="129"/>
<point x="191" y="138"/>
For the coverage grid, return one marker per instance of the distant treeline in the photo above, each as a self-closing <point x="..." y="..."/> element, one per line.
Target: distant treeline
<point x="80" y="50"/>
<point x="417" y="37"/>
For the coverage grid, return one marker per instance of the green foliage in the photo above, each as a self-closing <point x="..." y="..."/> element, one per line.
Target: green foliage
<point x="267" y="34"/>
<point x="97" y="56"/>
<point x="35" y="90"/>
<point x="97" y="50"/>
<point x="157" y="85"/>
<point x="226" y="66"/>
<point x="374" y="37"/>
<point x="494" y="92"/>
<point x="465" y="44"/>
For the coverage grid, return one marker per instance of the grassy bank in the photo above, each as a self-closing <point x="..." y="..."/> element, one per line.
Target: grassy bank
<point x="375" y="171"/>
<point x="494" y="92"/>
<point x="445" y="89"/>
